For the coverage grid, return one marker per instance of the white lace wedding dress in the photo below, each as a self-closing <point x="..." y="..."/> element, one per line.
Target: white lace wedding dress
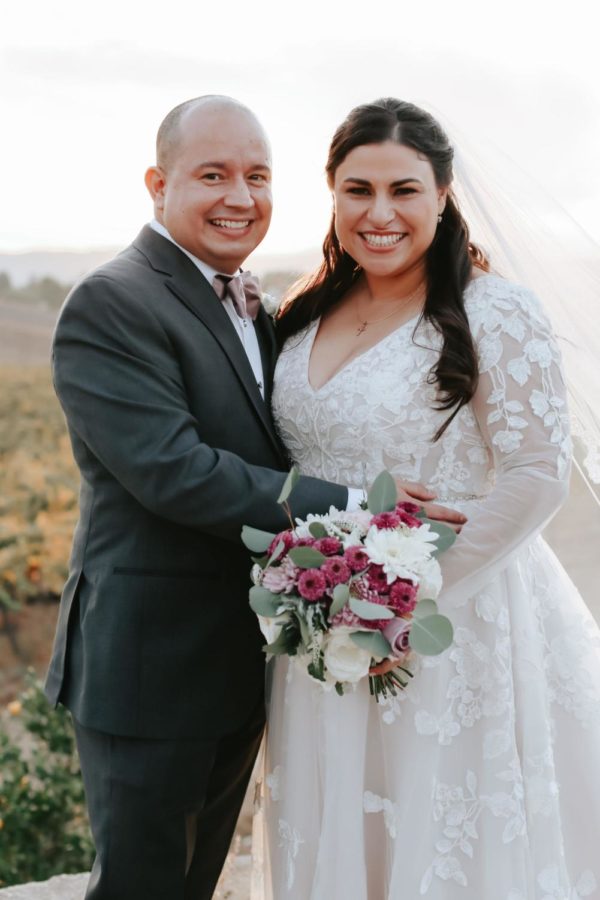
<point x="482" y="780"/>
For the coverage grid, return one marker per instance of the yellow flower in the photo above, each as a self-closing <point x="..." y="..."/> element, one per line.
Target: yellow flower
<point x="24" y="781"/>
<point x="15" y="708"/>
<point x="1" y="824"/>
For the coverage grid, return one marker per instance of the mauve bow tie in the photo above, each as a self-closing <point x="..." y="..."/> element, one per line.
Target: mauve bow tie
<point x="244" y="290"/>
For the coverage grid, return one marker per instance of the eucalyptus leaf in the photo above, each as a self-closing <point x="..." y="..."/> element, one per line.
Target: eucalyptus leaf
<point x="341" y="595"/>
<point x="304" y="630"/>
<point x="383" y="494"/>
<point x="275" y="554"/>
<point x="306" y="557"/>
<point x="289" y="484"/>
<point x="446" y="538"/>
<point x="263" y="602"/>
<point x="425" y="607"/>
<point x="430" y="635"/>
<point x="317" y="529"/>
<point x="261" y="561"/>
<point x="255" y="540"/>
<point x="373" y="642"/>
<point x="366" y="610"/>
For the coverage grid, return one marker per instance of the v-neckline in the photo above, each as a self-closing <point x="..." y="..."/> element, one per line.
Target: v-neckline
<point x="350" y="362"/>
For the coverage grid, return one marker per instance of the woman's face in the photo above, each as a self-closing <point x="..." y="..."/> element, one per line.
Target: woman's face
<point x="386" y="207"/>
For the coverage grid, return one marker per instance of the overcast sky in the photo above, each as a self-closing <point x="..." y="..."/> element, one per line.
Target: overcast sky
<point x="83" y="89"/>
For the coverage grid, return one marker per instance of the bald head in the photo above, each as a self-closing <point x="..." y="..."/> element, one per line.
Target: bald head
<point x="203" y="108"/>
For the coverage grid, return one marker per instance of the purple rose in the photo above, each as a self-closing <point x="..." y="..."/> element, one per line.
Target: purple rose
<point x="396" y="631"/>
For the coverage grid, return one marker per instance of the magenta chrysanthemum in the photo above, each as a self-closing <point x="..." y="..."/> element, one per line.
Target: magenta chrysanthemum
<point x="403" y="596"/>
<point x="357" y="558"/>
<point x="336" y="571"/>
<point x="386" y="520"/>
<point x="285" y="537"/>
<point x="410" y="508"/>
<point x="410" y="520"/>
<point x="312" y="584"/>
<point x="377" y="579"/>
<point x="329" y="546"/>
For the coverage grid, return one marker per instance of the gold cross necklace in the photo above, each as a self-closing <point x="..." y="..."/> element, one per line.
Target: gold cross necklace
<point x="363" y="323"/>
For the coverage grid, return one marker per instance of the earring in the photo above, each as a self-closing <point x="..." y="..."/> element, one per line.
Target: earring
<point x="439" y="218"/>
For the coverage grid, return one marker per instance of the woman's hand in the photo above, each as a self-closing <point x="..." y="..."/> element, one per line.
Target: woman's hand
<point x="409" y="492"/>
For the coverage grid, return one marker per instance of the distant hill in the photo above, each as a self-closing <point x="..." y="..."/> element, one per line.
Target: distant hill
<point x="68" y="266"/>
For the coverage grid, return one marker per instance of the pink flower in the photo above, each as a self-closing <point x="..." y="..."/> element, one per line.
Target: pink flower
<point x="312" y="584"/>
<point x="377" y="579"/>
<point x="357" y="558"/>
<point x="329" y="546"/>
<point x="361" y="589"/>
<point x="346" y="617"/>
<point x="386" y="520"/>
<point x="410" y="508"/>
<point x="280" y="579"/>
<point x="288" y="539"/>
<point x="397" y="631"/>
<point x="336" y="571"/>
<point x="408" y="519"/>
<point x="305" y="542"/>
<point x="403" y="596"/>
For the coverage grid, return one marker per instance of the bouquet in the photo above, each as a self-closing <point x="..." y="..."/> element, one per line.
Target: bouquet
<point x="343" y="591"/>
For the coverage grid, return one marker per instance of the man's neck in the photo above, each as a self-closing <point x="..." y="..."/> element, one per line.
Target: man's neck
<point x="207" y="270"/>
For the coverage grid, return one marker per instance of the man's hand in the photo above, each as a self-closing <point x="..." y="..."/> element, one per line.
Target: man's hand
<point x="411" y="493"/>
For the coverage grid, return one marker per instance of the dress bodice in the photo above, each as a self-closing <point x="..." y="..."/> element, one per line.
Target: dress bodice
<point x="379" y="412"/>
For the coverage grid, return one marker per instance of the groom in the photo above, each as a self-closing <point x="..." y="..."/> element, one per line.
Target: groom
<point x="163" y="361"/>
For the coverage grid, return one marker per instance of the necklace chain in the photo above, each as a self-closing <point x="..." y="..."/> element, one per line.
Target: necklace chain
<point x="363" y="323"/>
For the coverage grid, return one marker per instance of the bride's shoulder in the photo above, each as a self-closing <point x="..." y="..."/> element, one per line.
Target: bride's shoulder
<point x="491" y="298"/>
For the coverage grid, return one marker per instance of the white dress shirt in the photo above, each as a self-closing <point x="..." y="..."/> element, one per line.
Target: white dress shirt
<point x="244" y="327"/>
<point x="247" y="335"/>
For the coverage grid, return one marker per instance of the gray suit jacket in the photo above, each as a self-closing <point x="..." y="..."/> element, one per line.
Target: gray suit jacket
<point x="177" y="450"/>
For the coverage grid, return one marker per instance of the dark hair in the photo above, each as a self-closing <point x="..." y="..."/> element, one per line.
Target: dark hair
<point x="448" y="262"/>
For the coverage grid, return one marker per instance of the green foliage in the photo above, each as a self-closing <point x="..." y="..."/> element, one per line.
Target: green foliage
<point x="430" y="635"/>
<point x="43" y="827"/>
<point x="38" y="487"/>
<point x="47" y="291"/>
<point x="383" y="494"/>
<point x="306" y="557"/>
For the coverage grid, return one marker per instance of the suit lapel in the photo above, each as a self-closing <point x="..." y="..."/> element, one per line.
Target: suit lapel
<point x="185" y="281"/>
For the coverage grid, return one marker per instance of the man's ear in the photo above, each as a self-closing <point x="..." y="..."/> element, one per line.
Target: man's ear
<point x="155" y="182"/>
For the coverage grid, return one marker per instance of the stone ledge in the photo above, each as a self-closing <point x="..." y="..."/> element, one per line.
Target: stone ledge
<point x="61" y="887"/>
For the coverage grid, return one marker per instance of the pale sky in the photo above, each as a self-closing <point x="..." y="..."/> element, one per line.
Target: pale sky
<point x="83" y="89"/>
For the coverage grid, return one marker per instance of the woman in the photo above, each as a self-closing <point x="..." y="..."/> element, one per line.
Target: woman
<point x="405" y="352"/>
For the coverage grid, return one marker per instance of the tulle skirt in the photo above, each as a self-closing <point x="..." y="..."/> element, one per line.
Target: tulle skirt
<point x="481" y="781"/>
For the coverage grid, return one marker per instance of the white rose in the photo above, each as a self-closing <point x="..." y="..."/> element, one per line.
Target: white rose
<point x="345" y="661"/>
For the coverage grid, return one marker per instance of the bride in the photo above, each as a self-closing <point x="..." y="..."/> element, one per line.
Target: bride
<point x="405" y="352"/>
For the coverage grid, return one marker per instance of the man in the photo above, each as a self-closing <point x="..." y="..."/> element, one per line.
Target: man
<point x="165" y="380"/>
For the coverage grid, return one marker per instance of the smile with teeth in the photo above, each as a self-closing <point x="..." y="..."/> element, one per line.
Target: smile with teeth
<point x="382" y="240"/>
<point x="231" y="223"/>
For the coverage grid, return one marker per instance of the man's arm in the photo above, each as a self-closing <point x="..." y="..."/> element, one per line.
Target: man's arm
<point x="122" y="396"/>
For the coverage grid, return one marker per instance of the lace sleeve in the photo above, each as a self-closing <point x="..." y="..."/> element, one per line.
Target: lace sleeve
<point x="520" y="407"/>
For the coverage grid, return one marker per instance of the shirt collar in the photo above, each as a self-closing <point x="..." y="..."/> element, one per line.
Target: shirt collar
<point x="208" y="271"/>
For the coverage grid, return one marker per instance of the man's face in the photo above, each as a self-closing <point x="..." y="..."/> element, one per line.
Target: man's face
<point x="214" y="197"/>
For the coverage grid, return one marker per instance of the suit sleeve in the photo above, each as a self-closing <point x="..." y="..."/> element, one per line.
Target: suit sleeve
<point x="119" y="384"/>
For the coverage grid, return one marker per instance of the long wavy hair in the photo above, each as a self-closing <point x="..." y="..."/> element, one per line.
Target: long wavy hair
<point x="449" y="260"/>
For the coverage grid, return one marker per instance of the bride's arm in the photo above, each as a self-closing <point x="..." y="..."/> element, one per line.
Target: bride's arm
<point x="520" y="407"/>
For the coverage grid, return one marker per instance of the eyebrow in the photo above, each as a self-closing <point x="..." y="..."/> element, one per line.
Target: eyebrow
<point x="220" y="165"/>
<point x="399" y="183"/>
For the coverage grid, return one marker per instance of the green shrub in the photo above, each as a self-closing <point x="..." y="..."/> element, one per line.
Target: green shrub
<point x="43" y="824"/>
